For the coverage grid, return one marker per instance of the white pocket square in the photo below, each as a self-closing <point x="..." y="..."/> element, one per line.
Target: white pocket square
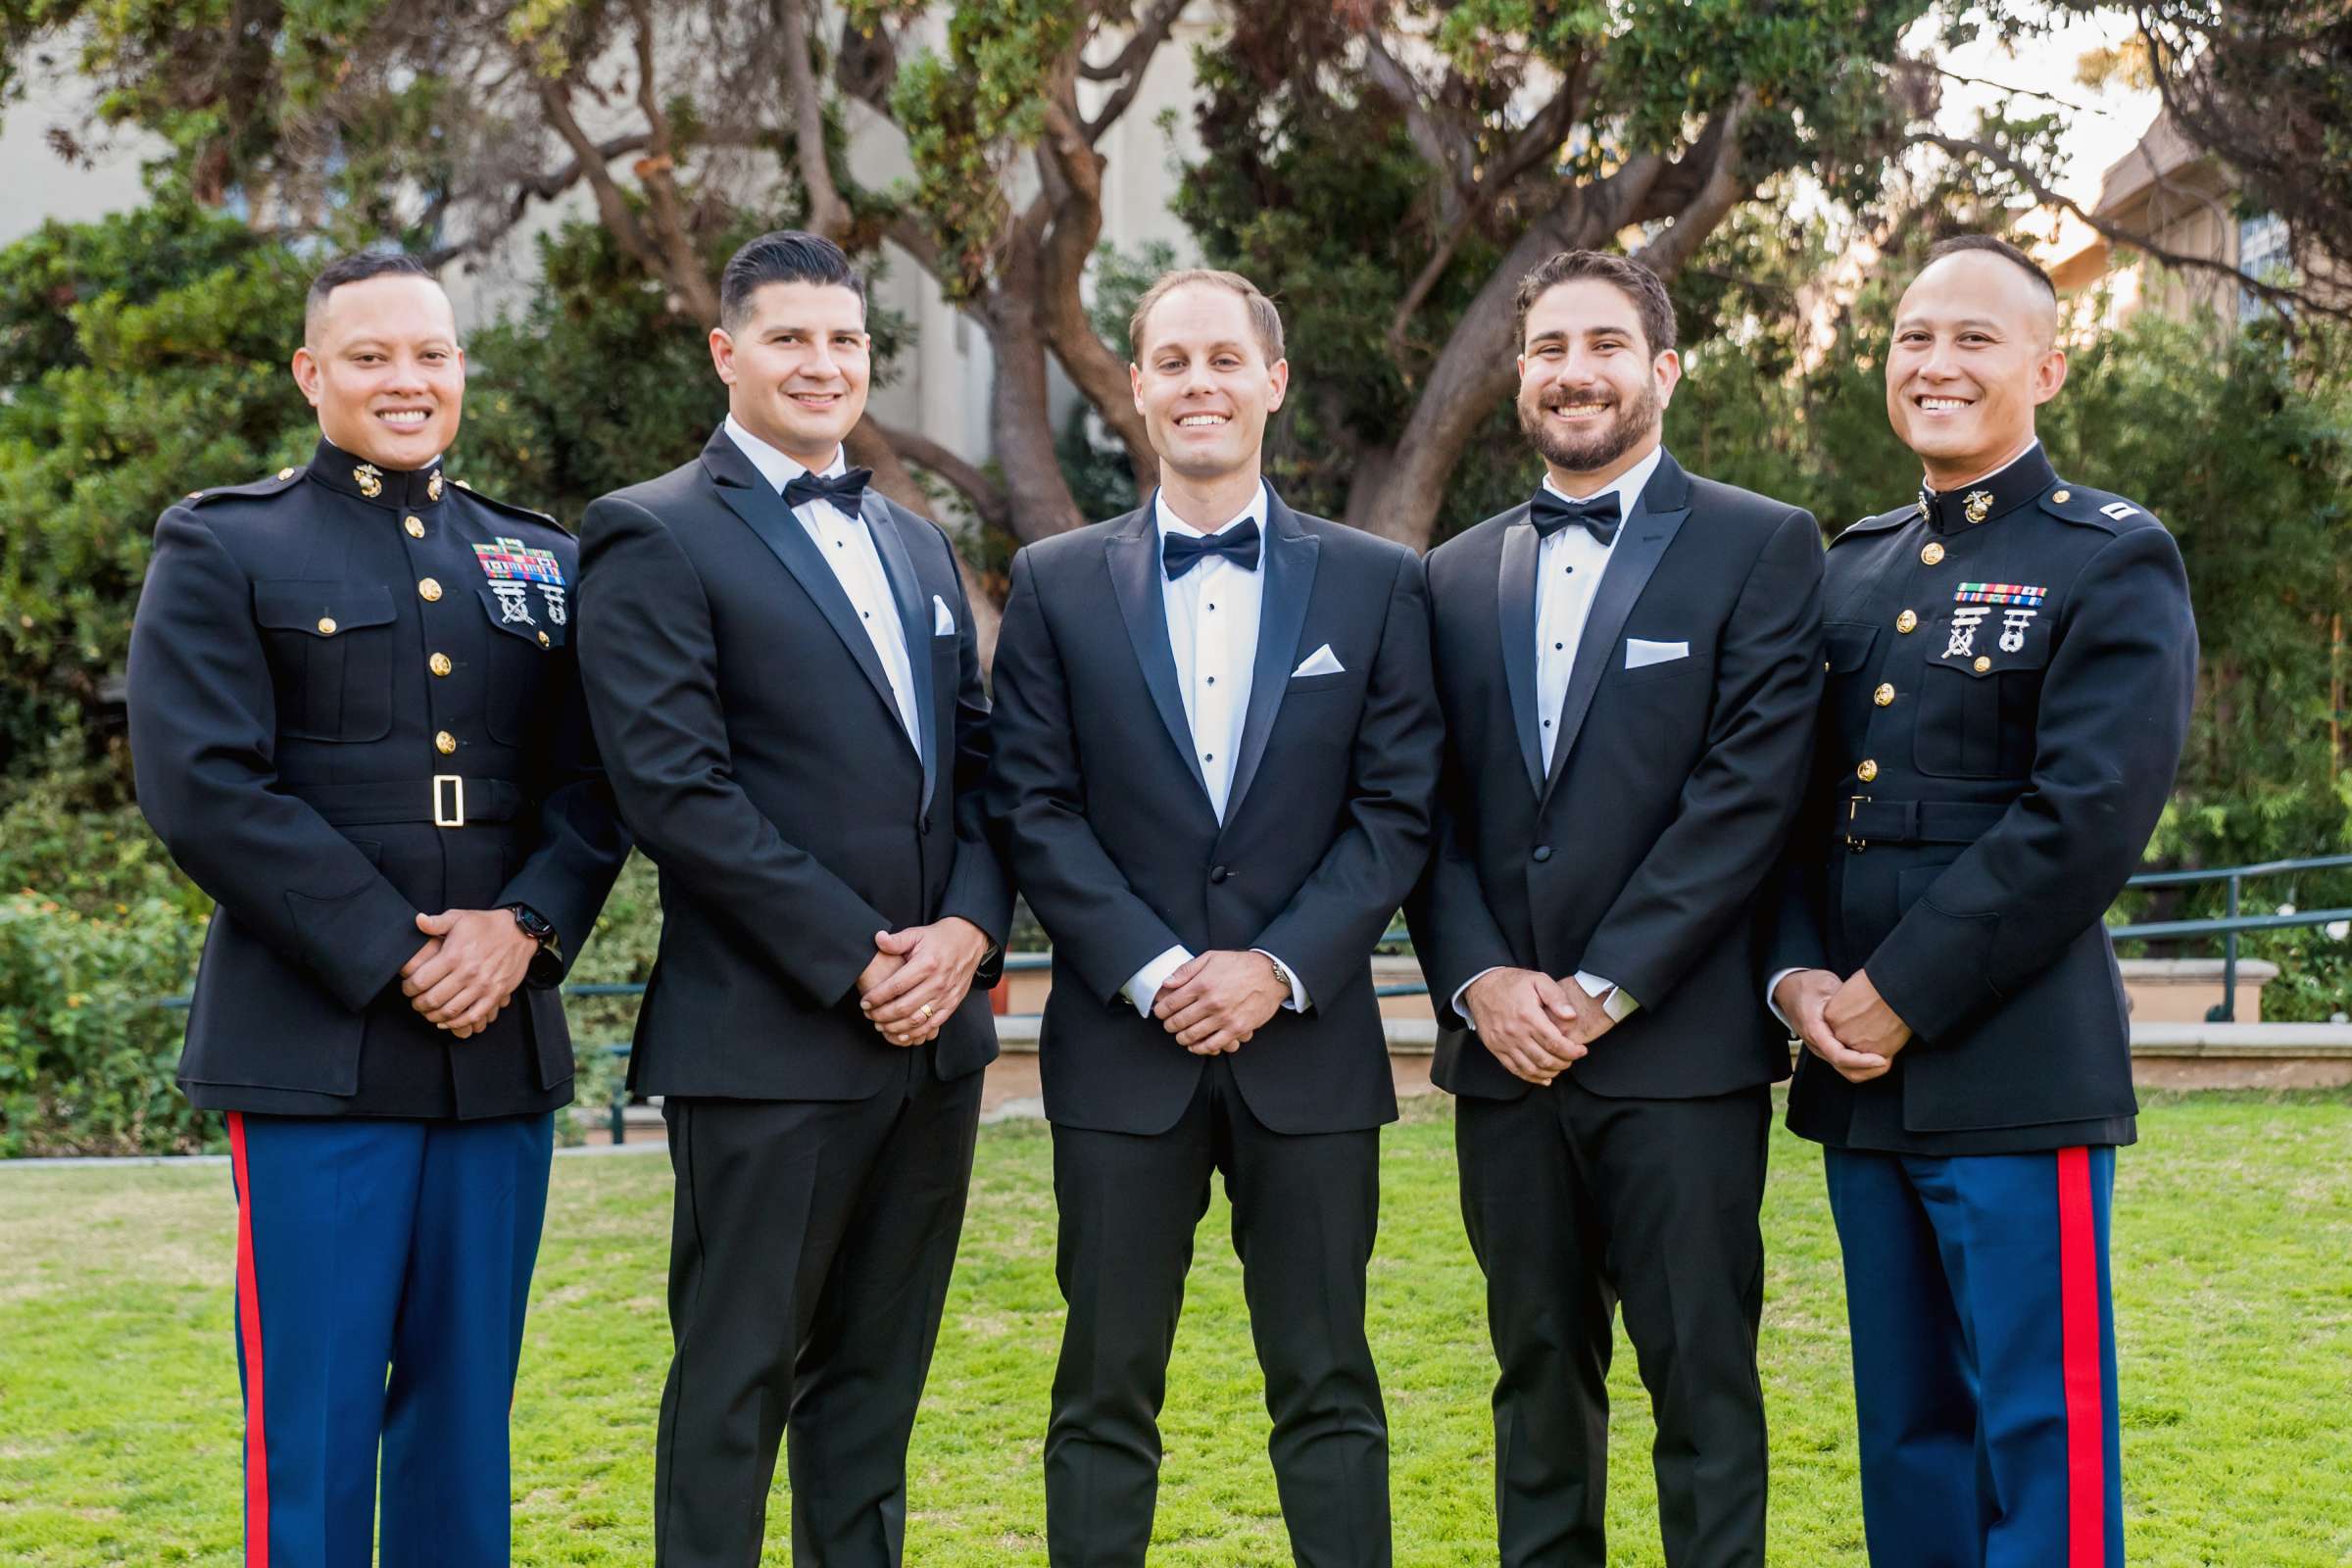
<point x="1322" y="662"/>
<point x="1641" y="654"/>
<point x="943" y="619"/>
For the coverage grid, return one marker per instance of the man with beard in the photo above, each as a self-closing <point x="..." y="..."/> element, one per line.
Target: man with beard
<point x="1216" y="743"/>
<point x="1628" y="668"/>
<point x="358" y="725"/>
<point x="2012" y="662"/>
<point x="783" y="669"/>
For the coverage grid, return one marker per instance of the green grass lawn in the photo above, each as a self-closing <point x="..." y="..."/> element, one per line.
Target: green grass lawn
<point x="2234" y="1277"/>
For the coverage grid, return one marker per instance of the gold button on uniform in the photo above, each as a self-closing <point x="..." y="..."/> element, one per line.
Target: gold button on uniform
<point x="543" y="642"/>
<point x="1983" y="663"/>
<point x="285" y="474"/>
<point x="1906" y="622"/>
<point x="1884" y="694"/>
<point x="2062" y="497"/>
<point x="326" y="625"/>
<point x="445" y="743"/>
<point x="1867" y="771"/>
<point x="414" y="525"/>
<point x="1932" y="553"/>
<point x="439" y="664"/>
<point x="428" y="590"/>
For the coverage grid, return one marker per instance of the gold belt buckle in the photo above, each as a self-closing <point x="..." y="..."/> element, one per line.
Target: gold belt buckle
<point x="1854" y="808"/>
<point x="449" y="789"/>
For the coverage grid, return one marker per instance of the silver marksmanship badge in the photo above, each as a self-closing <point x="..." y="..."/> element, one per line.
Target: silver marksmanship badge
<point x="514" y="603"/>
<point x="1965" y="621"/>
<point x="1978" y="503"/>
<point x="553" y="593"/>
<point x="2013" y="629"/>
<point x="371" y="479"/>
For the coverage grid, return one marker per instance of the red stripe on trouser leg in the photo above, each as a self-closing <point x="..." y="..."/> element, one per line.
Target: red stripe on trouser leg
<point x="2079" y="1322"/>
<point x="249" y="1335"/>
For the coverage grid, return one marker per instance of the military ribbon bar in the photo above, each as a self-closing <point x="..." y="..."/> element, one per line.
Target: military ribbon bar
<point x="506" y="560"/>
<point x="1999" y="593"/>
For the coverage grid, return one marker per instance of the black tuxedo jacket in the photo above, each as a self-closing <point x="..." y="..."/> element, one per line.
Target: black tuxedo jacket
<point x="1638" y="856"/>
<point x="756" y="751"/>
<point x="1121" y="855"/>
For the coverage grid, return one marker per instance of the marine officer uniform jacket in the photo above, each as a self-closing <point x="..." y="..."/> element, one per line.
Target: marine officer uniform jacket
<point x="352" y="699"/>
<point x="2010" y="669"/>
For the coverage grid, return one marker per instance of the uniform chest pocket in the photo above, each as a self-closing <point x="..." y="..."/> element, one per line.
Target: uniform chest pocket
<point x="535" y="621"/>
<point x="330" y="656"/>
<point x="1978" y="708"/>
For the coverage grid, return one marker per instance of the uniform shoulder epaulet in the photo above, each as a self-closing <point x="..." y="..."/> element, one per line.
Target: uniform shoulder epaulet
<point x="2096" y="509"/>
<point x="274" y="484"/>
<point x="508" y="509"/>
<point x="1875" y="524"/>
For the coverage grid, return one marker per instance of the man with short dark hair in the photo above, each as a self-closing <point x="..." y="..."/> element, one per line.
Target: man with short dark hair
<point x="782" y="667"/>
<point x="358" y="725"/>
<point x="1627" y="668"/>
<point x="1216" y="743"/>
<point x="2011" y="661"/>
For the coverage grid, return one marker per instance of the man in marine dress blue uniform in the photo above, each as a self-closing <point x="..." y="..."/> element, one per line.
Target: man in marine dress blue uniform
<point x="2010" y="666"/>
<point x="358" y="725"/>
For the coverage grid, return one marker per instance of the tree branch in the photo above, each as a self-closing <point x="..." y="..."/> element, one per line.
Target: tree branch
<point x="657" y="172"/>
<point x="985" y="495"/>
<point x="1073" y="174"/>
<point x="1444" y="147"/>
<point x="1718" y="192"/>
<point x="1133" y="63"/>
<point x="2287" y="299"/>
<point x="610" y="205"/>
<point x="828" y="213"/>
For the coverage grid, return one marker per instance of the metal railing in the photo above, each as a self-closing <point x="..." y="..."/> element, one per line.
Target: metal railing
<point x="2228" y="927"/>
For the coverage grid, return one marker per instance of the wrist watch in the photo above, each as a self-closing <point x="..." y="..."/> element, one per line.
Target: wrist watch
<point x="547" y="965"/>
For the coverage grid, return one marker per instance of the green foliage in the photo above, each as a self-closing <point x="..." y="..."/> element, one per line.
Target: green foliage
<point x="141" y="357"/>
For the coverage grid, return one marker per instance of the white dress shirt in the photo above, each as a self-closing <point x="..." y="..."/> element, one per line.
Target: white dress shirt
<point x="1213" y="614"/>
<point x="848" y="547"/>
<point x="1568" y="572"/>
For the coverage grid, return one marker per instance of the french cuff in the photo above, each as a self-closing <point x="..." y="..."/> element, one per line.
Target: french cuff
<point x="1459" y="1011"/>
<point x="1298" y="1002"/>
<point x="1772" y="986"/>
<point x="1609" y="994"/>
<point x="1142" y="987"/>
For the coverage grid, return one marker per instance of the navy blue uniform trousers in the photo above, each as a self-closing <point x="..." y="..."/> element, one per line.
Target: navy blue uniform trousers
<point x="1983" y="1343"/>
<point x="382" y="1270"/>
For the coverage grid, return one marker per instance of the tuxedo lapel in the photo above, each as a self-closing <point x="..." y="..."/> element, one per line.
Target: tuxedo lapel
<point x="763" y="511"/>
<point x="1132" y="554"/>
<point x="1640" y="545"/>
<point x="906" y="590"/>
<point x="1289" y="564"/>
<point x="1515" y="616"/>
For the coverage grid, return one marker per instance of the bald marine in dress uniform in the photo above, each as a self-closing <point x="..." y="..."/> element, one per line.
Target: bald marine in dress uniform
<point x="356" y="723"/>
<point x="2010" y="663"/>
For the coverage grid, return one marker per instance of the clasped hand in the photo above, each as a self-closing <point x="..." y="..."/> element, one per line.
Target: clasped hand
<point x="467" y="971"/>
<point x="919" y="977"/>
<point x="1215" y="1001"/>
<point x="1847" y="1024"/>
<point x="1536" y="1026"/>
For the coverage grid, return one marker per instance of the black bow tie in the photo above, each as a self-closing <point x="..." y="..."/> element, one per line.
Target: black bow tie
<point x="1180" y="552"/>
<point x="845" y="491"/>
<point x="1550" y="513"/>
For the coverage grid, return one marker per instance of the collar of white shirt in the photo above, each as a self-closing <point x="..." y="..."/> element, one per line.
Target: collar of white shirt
<point x="1168" y="523"/>
<point x="775" y="466"/>
<point x="1627" y="487"/>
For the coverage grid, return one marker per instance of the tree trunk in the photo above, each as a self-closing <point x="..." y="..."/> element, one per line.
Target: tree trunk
<point x="1021" y="414"/>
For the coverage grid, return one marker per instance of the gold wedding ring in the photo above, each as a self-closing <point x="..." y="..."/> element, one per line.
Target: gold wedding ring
<point x="924" y="1013"/>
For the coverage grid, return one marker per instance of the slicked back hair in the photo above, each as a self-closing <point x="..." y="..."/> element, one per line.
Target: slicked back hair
<point x="787" y="256"/>
<point x="357" y="268"/>
<point x="1636" y="282"/>
<point x="1265" y="322"/>
<point x="1993" y="245"/>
